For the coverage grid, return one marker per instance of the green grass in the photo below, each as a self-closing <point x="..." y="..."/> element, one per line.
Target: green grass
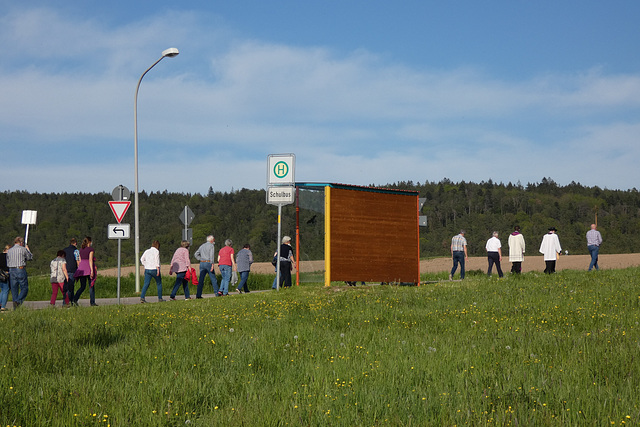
<point x="529" y="350"/>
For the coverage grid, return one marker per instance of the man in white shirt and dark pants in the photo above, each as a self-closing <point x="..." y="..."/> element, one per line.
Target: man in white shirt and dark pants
<point x="494" y="253"/>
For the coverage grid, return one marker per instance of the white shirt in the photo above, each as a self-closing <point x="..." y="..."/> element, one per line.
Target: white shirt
<point x="493" y="244"/>
<point x="150" y="259"/>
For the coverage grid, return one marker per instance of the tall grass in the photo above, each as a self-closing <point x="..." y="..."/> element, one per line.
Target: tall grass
<point x="529" y="350"/>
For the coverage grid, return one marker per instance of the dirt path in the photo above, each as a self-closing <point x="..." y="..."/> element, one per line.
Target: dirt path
<point x="532" y="263"/>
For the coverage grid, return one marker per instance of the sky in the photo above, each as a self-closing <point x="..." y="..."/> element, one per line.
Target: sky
<point x="363" y="92"/>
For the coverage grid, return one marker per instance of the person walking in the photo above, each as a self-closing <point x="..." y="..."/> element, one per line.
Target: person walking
<point x="72" y="256"/>
<point x="205" y="254"/>
<point x="226" y="264"/>
<point x="516" y="250"/>
<point x="151" y="261"/>
<point x="180" y="263"/>
<point x="86" y="272"/>
<point x="494" y="253"/>
<point x="550" y="248"/>
<point x="58" y="278"/>
<point x="4" y="279"/>
<point x="459" y="254"/>
<point x="286" y="262"/>
<point x="17" y="257"/>
<point x="243" y="262"/>
<point x="594" y="240"/>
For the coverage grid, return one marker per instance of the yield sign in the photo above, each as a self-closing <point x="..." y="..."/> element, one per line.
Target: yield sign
<point x="119" y="209"/>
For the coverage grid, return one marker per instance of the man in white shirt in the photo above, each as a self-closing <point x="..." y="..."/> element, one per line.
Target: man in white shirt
<point x="551" y="250"/>
<point x="494" y="253"/>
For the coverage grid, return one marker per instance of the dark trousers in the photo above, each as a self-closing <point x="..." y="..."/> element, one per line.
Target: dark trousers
<point x="285" y="274"/>
<point x="70" y="287"/>
<point x="516" y="267"/>
<point x="83" y="286"/>
<point x="494" y="258"/>
<point x="550" y="267"/>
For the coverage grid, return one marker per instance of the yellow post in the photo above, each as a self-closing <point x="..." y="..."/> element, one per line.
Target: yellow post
<point x="327" y="235"/>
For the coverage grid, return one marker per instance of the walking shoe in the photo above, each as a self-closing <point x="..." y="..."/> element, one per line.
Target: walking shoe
<point x="239" y="291"/>
<point x="172" y="298"/>
<point x="161" y="300"/>
<point x="93" y="304"/>
<point x="450" y="277"/>
<point x="219" y="294"/>
<point x="142" y="301"/>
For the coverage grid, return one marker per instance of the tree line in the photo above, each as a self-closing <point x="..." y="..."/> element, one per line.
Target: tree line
<point x="243" y="216"/>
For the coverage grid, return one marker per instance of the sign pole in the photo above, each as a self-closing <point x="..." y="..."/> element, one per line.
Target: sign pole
<point x="278" y="243"/>
<point x="119" y="252"/>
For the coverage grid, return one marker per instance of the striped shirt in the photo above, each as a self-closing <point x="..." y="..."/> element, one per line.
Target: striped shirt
<point x="18" y="256"/>
<point x="458" y="243"/>
<point x="594" y="238"/>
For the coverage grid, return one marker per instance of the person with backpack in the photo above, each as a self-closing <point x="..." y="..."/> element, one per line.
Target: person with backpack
<point x="59" y="276"/>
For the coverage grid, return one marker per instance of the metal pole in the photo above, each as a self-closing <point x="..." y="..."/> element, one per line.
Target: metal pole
<point x="136" y="209"/>
<point x="119" y="252"/>
<point x="278" y="243"/>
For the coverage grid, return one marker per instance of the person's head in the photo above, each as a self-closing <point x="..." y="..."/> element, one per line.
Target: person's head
<point x="86" y="242"/>
<point x="185" y="244"/>
<point x="495" y="234"/>
<point x="61" y="254"/>
<point x="19" y="241"/>
<point x="593" y="226"/>
<point x="462" y="232"/>
<point x="246" y="246"/>
<point x="73" y="241"/>
<point x="210" y="238"/>
<point x="286" y="240"/>
<point x="228" y="242"/>
<point x="516" y="228"/>
<point x="155" y="244"/>
<point x="552" y="230"/>
<point x="6" y="248"/>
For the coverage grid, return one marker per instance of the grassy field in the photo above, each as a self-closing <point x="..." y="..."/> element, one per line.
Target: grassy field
<point x="529" y="350"/>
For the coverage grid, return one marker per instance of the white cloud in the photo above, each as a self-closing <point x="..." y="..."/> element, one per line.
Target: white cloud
<point x="220" y="107"/>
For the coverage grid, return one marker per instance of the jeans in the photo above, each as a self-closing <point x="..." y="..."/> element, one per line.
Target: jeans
<point x="594" y="250"/>
<point x="207" y="268"/>
<point x="148" y="275"/>
<point x="494" y="258"/>
<point x="4" y="294"/>
<point x="19" y="285"/>
<point x="70" y="286"/>
<point x="458" y="258"/>
<point x="225" y="270"/>
<point x="244" y="275"/>
<point x="180" y="280"/>
<point x="275" y="281"/>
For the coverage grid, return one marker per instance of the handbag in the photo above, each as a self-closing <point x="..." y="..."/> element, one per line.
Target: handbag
<point x="194" y="276"/>
<point x="274" y="262"/>
<point x="4" y="276"/>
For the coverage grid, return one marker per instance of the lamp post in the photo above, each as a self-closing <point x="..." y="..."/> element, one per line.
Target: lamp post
<point x="171" y="52"/>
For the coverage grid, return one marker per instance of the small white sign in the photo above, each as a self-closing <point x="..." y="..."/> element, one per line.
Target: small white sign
<point x="118" y="231"/>
<point x="281" y="169"/>
<point x="29" y="217"/>
<point x="281" y="195"/>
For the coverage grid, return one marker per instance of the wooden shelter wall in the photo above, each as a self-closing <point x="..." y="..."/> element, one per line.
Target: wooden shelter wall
<point x="373" y="236"/>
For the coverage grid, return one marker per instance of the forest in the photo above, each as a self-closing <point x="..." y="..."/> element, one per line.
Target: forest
<point x="244" y="217"/>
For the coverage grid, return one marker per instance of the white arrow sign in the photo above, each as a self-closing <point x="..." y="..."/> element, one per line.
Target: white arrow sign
<point x="118" y="231"/>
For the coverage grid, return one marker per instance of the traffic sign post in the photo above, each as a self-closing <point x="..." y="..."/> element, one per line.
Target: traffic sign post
<point x="186" y="217"/>
<point x="280" y="191"/>
<point x="119" y="231"/>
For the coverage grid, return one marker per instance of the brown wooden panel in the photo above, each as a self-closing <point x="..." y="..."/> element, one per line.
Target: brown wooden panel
<point x="374" y="236"/>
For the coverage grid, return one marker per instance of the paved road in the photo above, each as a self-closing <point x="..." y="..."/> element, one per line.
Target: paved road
<point x="113" y="301"/>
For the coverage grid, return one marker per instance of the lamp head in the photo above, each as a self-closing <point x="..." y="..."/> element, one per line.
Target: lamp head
<point x="171" y="52"/>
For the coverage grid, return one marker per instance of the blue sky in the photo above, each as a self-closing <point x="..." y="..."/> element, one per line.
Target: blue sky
<point x="363" y="92"/>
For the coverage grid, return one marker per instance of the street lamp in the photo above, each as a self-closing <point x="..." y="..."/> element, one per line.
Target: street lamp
<point x="170" y="53"/>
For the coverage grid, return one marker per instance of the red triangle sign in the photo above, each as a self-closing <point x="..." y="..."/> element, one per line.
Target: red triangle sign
<point x="119" y="209"/>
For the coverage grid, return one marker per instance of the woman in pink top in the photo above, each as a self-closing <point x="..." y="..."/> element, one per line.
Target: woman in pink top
<point x="180" y="263"/>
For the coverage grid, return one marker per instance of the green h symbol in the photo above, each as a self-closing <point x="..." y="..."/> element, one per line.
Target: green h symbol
<point x="281" y="169"/>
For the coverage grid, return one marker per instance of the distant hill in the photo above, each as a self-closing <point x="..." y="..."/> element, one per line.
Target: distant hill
<point x="244" y="217"/>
